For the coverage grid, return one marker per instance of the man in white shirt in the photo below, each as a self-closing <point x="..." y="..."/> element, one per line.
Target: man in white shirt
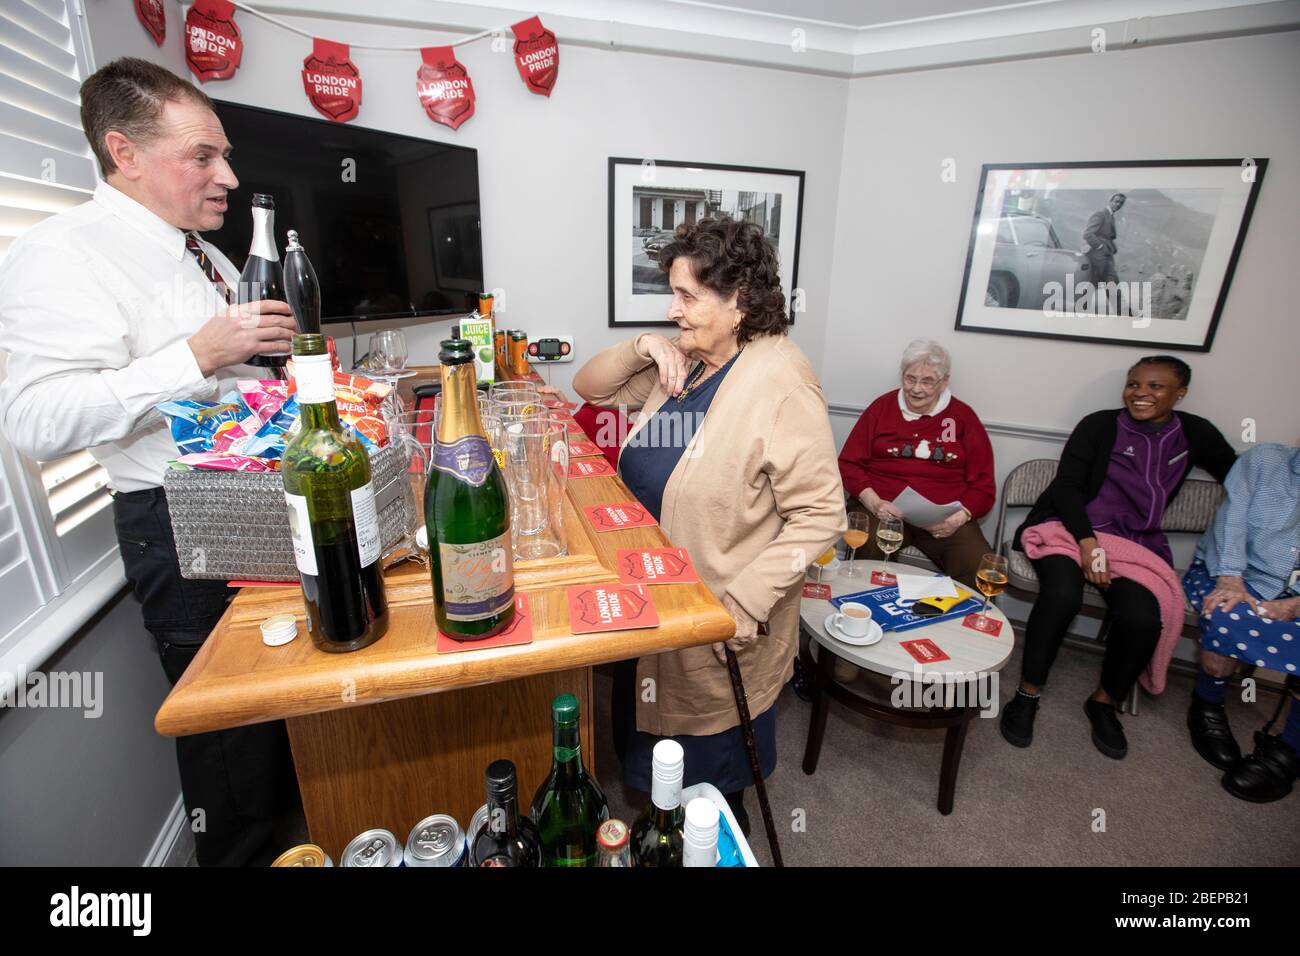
<point x="108" y="309"/>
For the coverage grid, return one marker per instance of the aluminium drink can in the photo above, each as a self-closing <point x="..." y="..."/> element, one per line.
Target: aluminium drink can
<point x="518" y="352"/>
<point x="376" y="848"/>
<point x="436" y="840"/>
<point x="306" y="854"/>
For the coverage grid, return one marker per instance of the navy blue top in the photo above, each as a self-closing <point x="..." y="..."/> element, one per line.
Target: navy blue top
<point x="650" y="455"/>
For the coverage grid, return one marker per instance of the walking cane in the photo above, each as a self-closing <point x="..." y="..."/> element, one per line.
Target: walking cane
<point x="751" y="748"/>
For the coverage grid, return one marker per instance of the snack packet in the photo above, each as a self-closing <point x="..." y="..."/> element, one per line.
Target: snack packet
<point x="360" y="401"/>
<point x="271" y="438"/>
<point x="197" y="426"/>
<point x="264" y="397"/>
<point x="210" y="461"/>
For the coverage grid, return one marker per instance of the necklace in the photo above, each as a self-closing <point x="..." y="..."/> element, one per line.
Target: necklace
<point x="698" y="377"/>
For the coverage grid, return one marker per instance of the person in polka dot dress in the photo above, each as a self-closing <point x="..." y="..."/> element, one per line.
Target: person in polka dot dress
<point x="1245" y="584"/>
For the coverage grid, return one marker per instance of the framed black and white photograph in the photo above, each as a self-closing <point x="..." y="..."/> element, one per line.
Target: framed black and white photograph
<point x="649" y="199"/>
<point x="1131" y="253"/>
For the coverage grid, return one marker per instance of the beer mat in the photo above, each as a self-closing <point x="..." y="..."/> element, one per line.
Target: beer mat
<point x="656" y="566"/>
<point x="262" y="584"/>
<point x="590" y="468"/>
<point x="990" y="625"/>
<point x="594" y="608"/>
<point x="924" y="650"/>
<point x="629" y="514"/>
<point x="563" y="406"/>
<point x="519" y="631"/>
<point x="584" y="448"/>
<point x="883" y="578"/>
<point x="822" y="592"/>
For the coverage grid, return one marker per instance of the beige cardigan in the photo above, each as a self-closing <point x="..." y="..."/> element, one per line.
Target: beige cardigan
<point x="755" y="498"/>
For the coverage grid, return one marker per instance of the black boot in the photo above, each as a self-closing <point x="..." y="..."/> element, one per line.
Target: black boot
<point x="1017" y="722"/>
<point x="1267" y="774"/>
<point x="1107" y="732"/>
<point x="1211" y="735"/>
<point x="804" y="687"/>
<point x="736" y="801"/>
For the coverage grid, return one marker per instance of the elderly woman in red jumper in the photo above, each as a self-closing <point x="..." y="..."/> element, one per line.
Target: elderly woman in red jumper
<point x="920" y="436"/>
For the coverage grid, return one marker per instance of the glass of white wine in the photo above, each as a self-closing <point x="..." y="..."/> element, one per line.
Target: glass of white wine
<point x="855" y="537"/>
<point x="991" y="579"/>
<point x="889" y="534"/>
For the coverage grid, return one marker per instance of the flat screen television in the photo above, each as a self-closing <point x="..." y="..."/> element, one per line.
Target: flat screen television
<point x="390" y="222"/>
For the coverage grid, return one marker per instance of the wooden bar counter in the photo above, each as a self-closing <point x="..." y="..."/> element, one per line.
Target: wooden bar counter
<point x="387" y="735"/>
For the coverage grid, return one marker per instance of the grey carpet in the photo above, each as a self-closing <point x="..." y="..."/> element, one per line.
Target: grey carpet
<point x="872" y="801"/>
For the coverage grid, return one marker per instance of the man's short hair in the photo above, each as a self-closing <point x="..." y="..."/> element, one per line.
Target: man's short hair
<point x="128" y="95"/>
<point x="1115" y="196"/>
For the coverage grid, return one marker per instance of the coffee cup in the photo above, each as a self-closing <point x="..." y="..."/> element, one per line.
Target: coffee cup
<point x="853" y="619"/>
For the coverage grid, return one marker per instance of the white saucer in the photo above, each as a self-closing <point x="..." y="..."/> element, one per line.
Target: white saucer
<point x="874" y="634"/>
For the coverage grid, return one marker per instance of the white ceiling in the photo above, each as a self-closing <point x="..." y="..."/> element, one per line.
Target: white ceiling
<point x="857" y="14"/>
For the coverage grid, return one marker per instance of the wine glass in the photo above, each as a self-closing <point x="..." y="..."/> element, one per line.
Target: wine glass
<point x="822" y="561"/>
<point x="390" y="351"/>
<point x="889" y="534"/>
<point x="855" y="537"/>
<point x="991" y="579"/>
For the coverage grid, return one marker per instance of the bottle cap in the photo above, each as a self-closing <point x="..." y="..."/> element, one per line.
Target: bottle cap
<point x="499" y="780"/>
<point x="294" y="245"/>
<point x="667" y="765"/>
<point x="456" y="351"/>
<point x="612" y="835"/>
<point x="278" y="630"/>
<point x="564" y="709"/>
<point x="702" y="817"/>
<point x="264" y="200"/>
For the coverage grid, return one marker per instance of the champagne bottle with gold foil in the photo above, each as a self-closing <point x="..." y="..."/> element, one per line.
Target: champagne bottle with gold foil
<point x="467" y="511"/>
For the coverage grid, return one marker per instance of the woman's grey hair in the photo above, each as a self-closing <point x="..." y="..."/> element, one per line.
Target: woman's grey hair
<point x="928" y="351"/>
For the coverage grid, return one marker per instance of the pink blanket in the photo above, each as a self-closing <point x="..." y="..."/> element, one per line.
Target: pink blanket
<point x="1127" y="560"/>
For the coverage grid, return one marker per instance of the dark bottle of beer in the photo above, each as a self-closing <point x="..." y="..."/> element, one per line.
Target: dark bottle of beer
<point x="467" y="512"/>
<point x="332" y="514"/>
<point x="506" y="838"/>
<point x="301" y="290"/>
<point x="262" y="277"/>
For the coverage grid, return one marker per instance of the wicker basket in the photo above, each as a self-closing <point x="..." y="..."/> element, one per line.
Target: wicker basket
<point x="233" y="525"/>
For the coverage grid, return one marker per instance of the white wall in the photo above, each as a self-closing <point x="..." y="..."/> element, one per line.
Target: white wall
<point x="542" y="162"/>
<point x="901" y="232"/>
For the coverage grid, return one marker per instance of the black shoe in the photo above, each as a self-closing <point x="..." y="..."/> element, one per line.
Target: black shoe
<point x="1018" y="720"/>
<point x="1107" y="733"/>
<point x="1211" y="735"/>
<point x="803" y="687"/>
<point x="736" y="801"/>
<point x="1267" y="774"/>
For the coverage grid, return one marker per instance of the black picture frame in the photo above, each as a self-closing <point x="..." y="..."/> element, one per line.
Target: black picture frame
<point x="1198" y="307"/>
<point x="721" y="178"/>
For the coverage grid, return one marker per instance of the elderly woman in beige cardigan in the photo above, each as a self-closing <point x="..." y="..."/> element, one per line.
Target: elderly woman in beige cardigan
<point x="733" y="454"/>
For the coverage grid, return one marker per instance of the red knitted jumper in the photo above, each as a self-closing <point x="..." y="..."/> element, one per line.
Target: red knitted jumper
<point x="946" y="457"/>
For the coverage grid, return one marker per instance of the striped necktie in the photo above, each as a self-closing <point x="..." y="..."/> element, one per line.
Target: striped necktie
<point x="207" y="265"/>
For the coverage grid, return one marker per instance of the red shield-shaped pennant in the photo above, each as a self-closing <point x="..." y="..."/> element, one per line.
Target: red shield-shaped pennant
<point x="537" y="55"/>
<point x="151" y="16"/>
<point x="444" y="87"/>
<point x="331" y="81"/>
<point x="213" y="46"/>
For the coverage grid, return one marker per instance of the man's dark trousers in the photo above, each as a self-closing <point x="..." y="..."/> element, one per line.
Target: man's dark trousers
<point x="235" y="782"/>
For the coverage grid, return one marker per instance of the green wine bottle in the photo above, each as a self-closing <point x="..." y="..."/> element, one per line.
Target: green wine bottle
<point x="332" y="516"/>
<point x="569" y="806"/>
<point x="467" y="512"/>
<point x="657" y="832"/>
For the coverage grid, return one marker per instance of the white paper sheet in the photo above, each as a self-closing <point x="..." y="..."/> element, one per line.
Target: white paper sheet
<point x="920" y="511"/>
<point x="913" y="587"/>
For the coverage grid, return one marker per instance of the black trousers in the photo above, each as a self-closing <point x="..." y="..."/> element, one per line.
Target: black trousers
<point x="234" y="782"/>
<point x="1134" y="632"/>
